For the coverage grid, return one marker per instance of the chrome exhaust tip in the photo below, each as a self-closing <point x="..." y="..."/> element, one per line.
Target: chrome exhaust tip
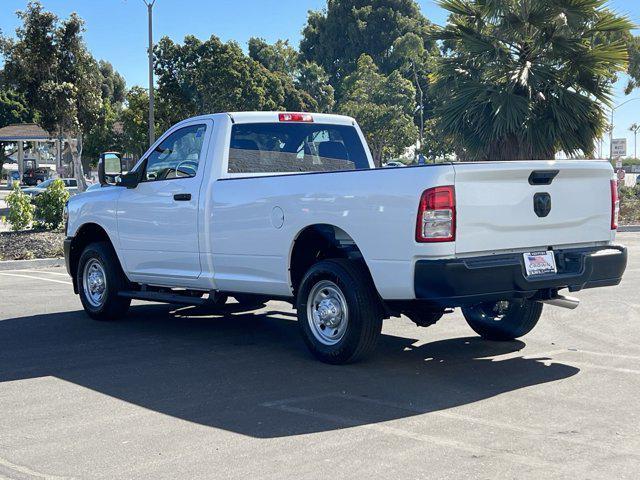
<point x="561" y="301"/>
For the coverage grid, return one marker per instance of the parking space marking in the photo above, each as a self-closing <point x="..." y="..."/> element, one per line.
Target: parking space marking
<point x="596" y="367"/>
<point x="19" y="472"/>
<point x="34" y="278"/>
<point x="387" y="429"/>
<point x="606" y="354"/>
<point x="286" y="406"/>
<point x="48" y="272"/>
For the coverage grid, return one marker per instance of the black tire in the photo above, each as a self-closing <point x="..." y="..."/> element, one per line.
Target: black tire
<point x="364" y="311"/>
<point x="111" y="306"/>
<point x="502" y="321"/>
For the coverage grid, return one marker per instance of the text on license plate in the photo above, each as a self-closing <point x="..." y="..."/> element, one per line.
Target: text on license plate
<point x="540" y="263"/>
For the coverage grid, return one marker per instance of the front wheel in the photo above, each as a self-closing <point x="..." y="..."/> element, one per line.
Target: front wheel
<point x="339" y="311"/>
<point x="504" y="320"/>
<point x="100" y="280"/>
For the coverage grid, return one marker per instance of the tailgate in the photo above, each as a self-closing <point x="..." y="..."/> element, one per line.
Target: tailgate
<point x="499" y="209"/>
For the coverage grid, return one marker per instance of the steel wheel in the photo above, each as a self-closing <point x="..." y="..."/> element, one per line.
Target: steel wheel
<point x="94" y="282"/>
<point x="327" y="312"/>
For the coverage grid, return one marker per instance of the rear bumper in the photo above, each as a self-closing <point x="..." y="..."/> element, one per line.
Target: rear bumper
<point x="468" y="281"/>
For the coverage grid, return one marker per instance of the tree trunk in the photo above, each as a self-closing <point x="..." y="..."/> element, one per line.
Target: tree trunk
<point x="76" y="155"/>
<point x="421" y="93"/>
<point x="376" y="153"/>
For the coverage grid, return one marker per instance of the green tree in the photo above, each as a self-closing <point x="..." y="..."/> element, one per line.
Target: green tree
<point x="50" y="65"/>
<point x="278" y="57"/>
<point x="114" y="86"/>
<point x="383" y="106"/>
<point x="303" y="78"/>
<point x="13" y="109"/>
<point x="134" y="138"/>
<point x="393" y="33"/>
<point x="198" y="77"/>
<point x="524" y="79"/>
<point x="335" y="38"/>
<point x="633" y="44"/>
<point x="313" y="80"/>
<point x="103" y="135"/>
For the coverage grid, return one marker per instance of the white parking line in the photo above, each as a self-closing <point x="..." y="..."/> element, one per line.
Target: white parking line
<point x="34" y="278"/>
<point x="65" y="274"/>
<point x="388" y="429"/>
<point x="19" y="471"/>
<point x="595" y="366"/>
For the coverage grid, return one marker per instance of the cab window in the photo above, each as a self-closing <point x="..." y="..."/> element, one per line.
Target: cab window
<point x="177" y="156"/>
<point x="295" y="147"/>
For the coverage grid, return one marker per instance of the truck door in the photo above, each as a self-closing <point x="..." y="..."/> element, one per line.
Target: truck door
<point x="158" y="220"/>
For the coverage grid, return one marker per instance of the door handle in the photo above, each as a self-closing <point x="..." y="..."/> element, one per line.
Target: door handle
<point x="182" y="197"/>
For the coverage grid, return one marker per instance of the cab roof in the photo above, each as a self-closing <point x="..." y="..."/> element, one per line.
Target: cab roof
<point x="273" y="117"/>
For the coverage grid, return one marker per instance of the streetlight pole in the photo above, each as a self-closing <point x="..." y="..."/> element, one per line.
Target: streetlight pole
<point x="613" y="109"/>
<point x="634" y="128"/>
<point x="152" y="133"/>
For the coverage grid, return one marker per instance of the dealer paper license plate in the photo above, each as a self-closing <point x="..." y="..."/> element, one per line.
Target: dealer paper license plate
<point x="540" y="263"/>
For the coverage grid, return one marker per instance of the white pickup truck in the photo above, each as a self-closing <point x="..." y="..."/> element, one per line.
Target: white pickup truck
<point x="289" y="206"/>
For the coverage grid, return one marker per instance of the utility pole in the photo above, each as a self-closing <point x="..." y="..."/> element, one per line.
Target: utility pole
<point x="634" y="128"/>
<point x="613" y="109"/>
<point x="152" y="133"/>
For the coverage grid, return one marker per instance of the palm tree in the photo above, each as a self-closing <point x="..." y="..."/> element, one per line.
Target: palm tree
<point x="524" y="79"/>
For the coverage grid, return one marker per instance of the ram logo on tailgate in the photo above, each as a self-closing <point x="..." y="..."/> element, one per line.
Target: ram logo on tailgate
<point x="542" y="204"/>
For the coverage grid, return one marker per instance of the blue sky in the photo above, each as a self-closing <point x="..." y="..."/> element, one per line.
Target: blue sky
<point x="117" y="30"/>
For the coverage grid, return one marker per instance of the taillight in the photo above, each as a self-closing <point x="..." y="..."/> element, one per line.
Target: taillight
<point x="615" y="205"/>
<point x="437" y="215"/>
<point x="296" y="117"/>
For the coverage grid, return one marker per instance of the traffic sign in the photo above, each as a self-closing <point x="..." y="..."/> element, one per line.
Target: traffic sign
<point x="619" y="147"/>
<point x="621" y="175"/>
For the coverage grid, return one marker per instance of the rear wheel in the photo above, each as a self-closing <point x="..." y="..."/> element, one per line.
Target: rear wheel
<point x="504" y="320"/>
<point x="339" y="312"/>
<point x="100" y="279"/>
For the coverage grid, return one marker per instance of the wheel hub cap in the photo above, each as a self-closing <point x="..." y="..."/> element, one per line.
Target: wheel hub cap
<point x="327" y="312"/>
<point x="94" y="282"/>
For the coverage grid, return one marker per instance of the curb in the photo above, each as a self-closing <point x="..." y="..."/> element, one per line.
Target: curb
<point x="629" y="228"/>
<point x="28" y="264"/>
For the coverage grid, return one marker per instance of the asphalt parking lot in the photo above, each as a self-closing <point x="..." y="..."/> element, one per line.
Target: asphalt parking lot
<point x="180" y="393"/>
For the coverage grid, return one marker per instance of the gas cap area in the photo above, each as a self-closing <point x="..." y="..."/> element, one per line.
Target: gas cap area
<point x="277" y="217"/>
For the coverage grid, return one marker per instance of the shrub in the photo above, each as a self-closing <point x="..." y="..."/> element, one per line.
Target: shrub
<point x="629" y="193"/>
<point x="20" y="209"/>
<point x="630" y="212"/>
<point x="50" y="205"/>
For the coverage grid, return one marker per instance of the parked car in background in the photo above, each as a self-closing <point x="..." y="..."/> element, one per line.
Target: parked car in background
<point x="394" y="163"/>
<point x="35" y="176"/>
<point x="70" y="184"/>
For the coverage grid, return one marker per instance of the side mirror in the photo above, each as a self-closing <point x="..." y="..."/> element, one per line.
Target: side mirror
<point x="128" y="180"/>
<point x="109" y="168"/>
